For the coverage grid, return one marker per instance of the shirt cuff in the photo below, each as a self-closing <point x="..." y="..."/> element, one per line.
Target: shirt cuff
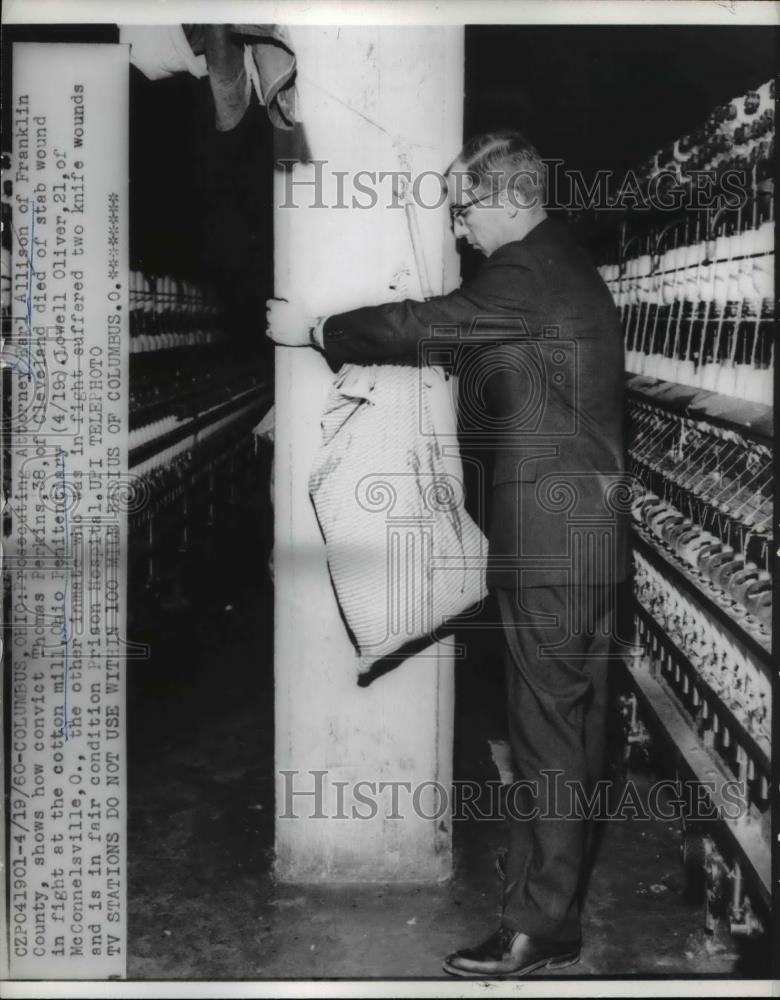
<point x="316" y="334"/>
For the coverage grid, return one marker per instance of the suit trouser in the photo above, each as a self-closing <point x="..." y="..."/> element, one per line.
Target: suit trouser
<point x="557" y="729"/>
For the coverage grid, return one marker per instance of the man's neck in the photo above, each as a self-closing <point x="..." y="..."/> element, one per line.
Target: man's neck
<point x="524" y="224"/>
<point x="531" y="221"/>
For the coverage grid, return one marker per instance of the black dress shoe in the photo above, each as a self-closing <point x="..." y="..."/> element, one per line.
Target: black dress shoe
<point x="511" y="953"/>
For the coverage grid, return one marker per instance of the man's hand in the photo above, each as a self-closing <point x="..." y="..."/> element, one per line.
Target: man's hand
<point x="288" y="324"/>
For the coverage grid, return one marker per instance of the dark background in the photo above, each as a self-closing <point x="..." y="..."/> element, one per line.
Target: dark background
<point x="607" y="97"/>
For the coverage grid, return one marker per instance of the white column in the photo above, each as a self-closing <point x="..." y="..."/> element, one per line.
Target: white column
<point x="367" y="97"/>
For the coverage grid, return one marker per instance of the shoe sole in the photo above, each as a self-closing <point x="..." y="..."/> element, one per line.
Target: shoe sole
<point x="561" y="962"/>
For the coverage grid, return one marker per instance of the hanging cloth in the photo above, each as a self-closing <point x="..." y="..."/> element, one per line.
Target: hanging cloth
<point x="242" y="56"/>
<point x="161" y="50"/>
<point x="236" y="58"/>
<point x="404" y="554"/>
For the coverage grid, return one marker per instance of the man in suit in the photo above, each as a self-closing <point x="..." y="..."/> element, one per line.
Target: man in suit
<point x="536" y="341"/>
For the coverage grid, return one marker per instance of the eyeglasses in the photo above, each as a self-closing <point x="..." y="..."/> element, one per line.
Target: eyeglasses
<point x="458" y="211"/>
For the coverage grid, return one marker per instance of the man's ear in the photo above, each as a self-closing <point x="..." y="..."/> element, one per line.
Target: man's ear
<point x="509" y="203"/>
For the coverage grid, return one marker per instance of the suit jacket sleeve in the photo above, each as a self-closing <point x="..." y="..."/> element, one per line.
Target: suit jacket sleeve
<point x="394" y="332"/>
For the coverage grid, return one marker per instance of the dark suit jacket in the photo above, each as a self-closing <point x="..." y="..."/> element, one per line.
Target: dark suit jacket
<point x="536" y="341"/>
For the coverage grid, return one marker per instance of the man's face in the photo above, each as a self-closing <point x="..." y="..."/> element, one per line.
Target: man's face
<point x="477" y="216"/>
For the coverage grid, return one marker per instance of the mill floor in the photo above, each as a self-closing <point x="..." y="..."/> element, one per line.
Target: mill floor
<point x="203" y="900"/>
